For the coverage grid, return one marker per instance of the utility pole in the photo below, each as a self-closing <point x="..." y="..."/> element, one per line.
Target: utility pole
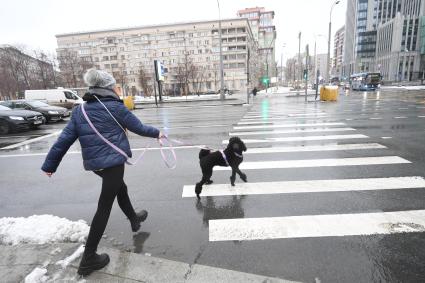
<point x="329" y="41"/>
<point x="221" y="55"/>
<point x="306" y="71"/>
<point x="281" y="69"/>
<point x="247" y="77"/>
<point x="299" y="61"/>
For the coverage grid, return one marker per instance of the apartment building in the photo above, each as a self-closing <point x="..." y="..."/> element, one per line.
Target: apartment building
<point x="189" y="51"/>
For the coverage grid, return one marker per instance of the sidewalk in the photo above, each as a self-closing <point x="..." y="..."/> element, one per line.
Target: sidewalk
<point x="17" y="262"/>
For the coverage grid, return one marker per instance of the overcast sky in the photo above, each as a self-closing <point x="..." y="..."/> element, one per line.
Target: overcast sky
<point x="36" y="22"/>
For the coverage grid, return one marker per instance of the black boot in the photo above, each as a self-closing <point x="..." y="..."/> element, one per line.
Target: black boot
<point x="140" y="217"/>
<point x="92" y="262"/>
<point x="198" y="190"/>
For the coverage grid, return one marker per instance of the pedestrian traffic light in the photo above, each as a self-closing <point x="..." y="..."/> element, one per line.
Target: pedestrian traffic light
<point x="305" y="74"/>
<point x="265" y="80"/>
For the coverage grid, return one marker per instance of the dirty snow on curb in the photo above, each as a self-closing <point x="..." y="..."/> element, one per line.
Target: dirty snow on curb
<point x="37" y="276"/>
<point x="41" y="229"/>
<point x="65" y="262"/>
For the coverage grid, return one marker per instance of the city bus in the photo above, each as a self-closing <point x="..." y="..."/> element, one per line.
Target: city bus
<point x="365" y="81"/>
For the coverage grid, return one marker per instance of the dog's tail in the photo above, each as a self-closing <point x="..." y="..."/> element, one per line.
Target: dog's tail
<point x="204" y="152"/>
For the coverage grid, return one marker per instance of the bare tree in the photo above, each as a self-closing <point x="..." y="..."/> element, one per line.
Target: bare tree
<point x="197" y="77"/>
<point x="183" y="73"/>
<point x="144" y="79"/>
<point x="73" y="67"/>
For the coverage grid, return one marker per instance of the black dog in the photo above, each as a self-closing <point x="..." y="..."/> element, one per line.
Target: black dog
<point x="231" y="156"/>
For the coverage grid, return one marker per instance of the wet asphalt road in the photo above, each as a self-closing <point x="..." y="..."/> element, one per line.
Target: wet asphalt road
<point x="178" y="228"/>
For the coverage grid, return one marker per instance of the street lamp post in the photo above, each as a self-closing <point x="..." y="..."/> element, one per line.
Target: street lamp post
<point x="329" y="40"/>
<point x="316" y="74"/>
<point x="267" y="63"/>
<point x="221" y="55"/>
<point x="281" y="65"/>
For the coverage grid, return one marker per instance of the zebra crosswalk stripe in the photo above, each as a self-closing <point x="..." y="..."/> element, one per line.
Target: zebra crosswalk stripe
<point x="312" y="186"/>
<point x="308" y="138"/>
<point x="299" y="125"/>
<point x="307" y="148"/>
<point x="336" y="225"/>
<point x="275" y="132"/>
<point x="330" y="162"/>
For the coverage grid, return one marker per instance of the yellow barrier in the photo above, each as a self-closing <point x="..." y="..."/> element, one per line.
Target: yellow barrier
<point x="129" y="102"/>
<point x="329" y="93"/>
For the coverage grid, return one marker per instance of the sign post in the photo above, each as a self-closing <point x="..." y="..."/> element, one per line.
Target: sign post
<point x="306" y="70"/>
<point x="159" y="76"/>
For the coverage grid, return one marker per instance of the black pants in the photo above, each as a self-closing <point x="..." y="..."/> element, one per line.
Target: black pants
<point x="112" y="186"/>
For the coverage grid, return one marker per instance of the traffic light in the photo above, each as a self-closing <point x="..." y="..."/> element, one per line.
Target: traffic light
<point x="265" y="80"/>
<point x="305" y="74"/>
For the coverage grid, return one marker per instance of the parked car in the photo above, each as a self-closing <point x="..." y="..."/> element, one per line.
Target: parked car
<point x="210" y="92"/>
<point x="14" y="120"/>
<point x="51" y="113"/>
<point x="57" y="97"/>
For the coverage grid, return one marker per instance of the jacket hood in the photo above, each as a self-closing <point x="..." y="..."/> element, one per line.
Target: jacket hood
<point x="100" y="93"/>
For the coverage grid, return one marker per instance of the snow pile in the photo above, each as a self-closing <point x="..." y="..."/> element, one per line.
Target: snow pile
<point x="37" y="276"/>
<point x="65" y="262"/>
<point x="41" y="229"/>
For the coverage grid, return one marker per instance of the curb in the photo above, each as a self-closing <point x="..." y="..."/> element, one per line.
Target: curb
<point x="20" y="260"/>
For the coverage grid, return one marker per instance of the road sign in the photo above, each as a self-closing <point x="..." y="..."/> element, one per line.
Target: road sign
<point x="159" y="70"/>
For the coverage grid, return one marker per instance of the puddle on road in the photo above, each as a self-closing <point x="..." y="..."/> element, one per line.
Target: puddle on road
<point x="403" y="227"/>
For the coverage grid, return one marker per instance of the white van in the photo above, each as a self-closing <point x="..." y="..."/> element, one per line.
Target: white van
<point x="58" y="97"/>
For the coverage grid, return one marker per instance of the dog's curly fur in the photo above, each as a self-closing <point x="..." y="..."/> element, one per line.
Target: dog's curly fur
<point x="208" y="160"/>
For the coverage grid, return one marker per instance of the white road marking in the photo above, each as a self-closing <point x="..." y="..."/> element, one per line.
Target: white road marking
<point x="31" y="140"/>
<point x="385" y="138"/>
<point x="276" y="120"/>
<point x="313" y="186"/>
<point x="328" y="147"/>
<point x="299" y="125"/>
<point x="78" y="152"/>
<point x="330" y="162"/>
<point x="308" y="138"/>
<point x="400" y="117"/>
<point x="307" y="114"/>
<point x="421" y="116"/>
<point x="19" y="137"/>
<point x="348" y="119"/>
<point x="283" y="115"/>
<point x="375" y="118"/>
<point x="199" y="126"/>
<point x="275" y="132"/>
<point x="336" y="225"/>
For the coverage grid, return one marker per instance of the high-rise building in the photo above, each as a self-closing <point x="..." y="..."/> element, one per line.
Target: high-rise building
<point x="384" y="36"/>
<point x="360" y="36"/>
<point x="338" y="52"/>
<point x="349" y="38"/>
<point x="190" y="52"/>
<point x="264" y="31"/>
<point x="399" y="48"/>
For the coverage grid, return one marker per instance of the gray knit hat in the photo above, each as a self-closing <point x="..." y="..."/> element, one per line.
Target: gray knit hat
<point x="99" y="78"/>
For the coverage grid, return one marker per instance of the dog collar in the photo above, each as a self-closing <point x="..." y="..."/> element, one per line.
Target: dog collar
<point x="238" y="155"/>
<point x="224" y="157"/>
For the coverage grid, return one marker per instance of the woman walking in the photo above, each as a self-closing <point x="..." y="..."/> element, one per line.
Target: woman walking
<point x="110" y="118"/>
